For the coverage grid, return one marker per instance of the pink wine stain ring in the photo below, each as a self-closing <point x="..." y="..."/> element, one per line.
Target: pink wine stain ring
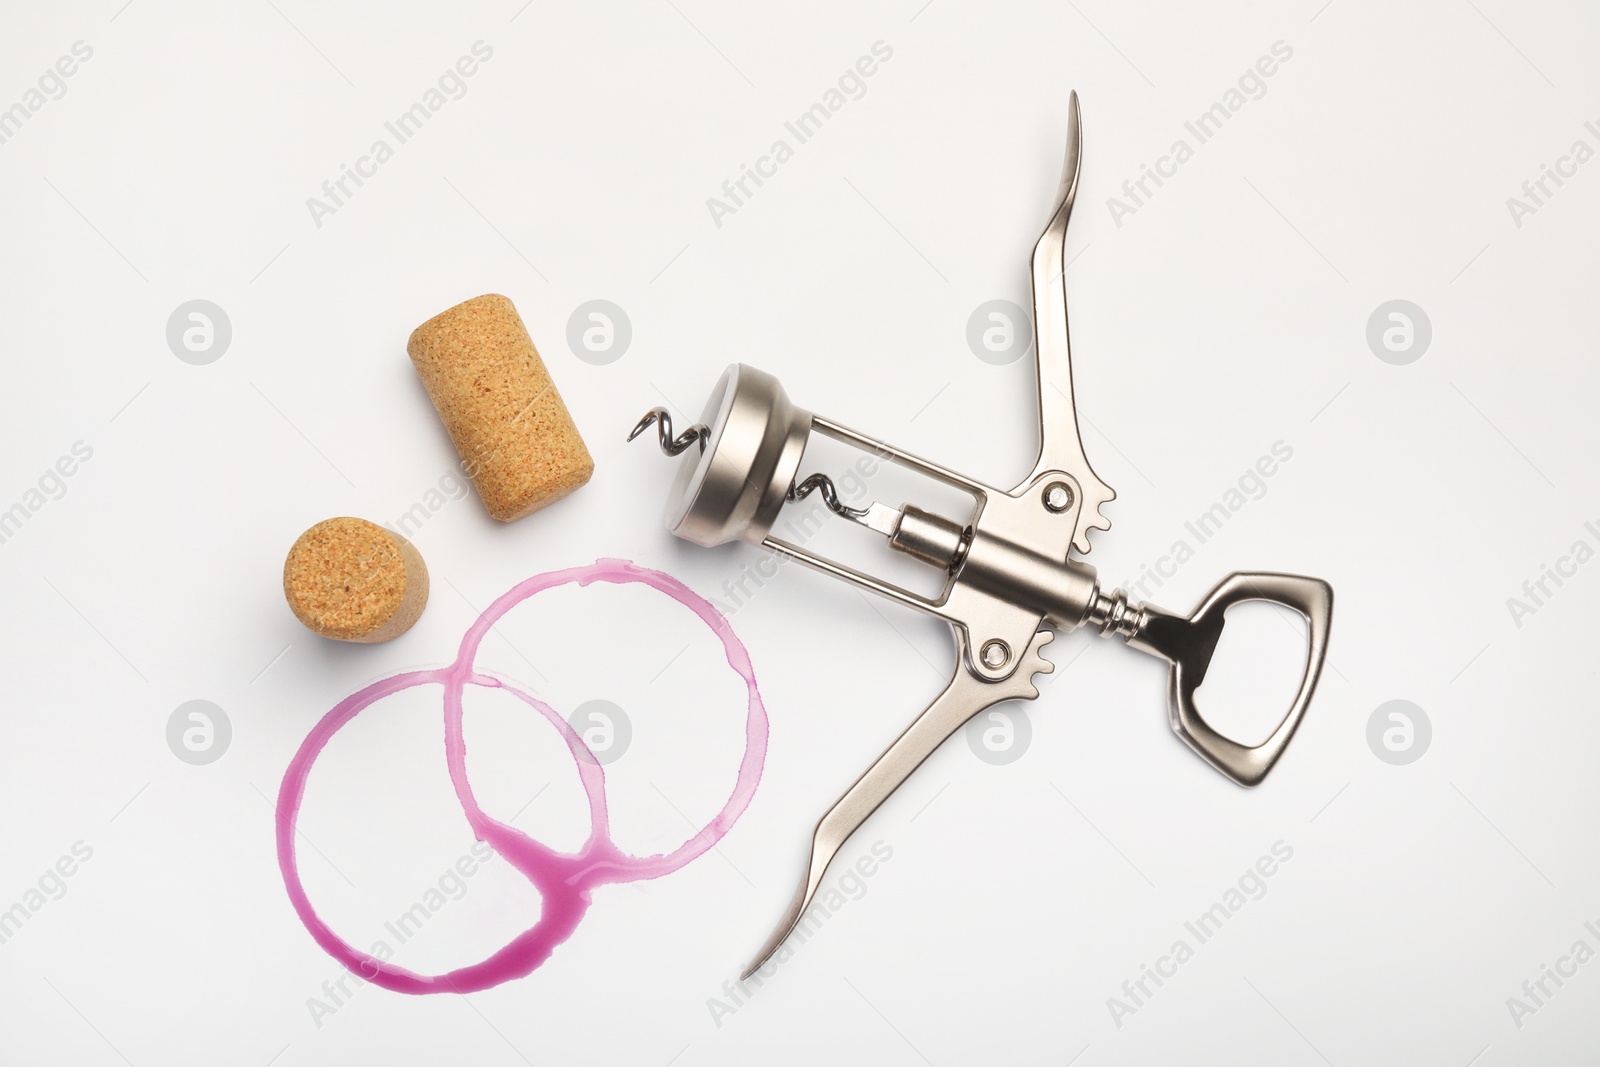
<point x="564" y="880"/>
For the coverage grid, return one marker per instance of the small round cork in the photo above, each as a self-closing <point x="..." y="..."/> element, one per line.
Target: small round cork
<point x="352" y="580"/>
<point x="516" y="440"/>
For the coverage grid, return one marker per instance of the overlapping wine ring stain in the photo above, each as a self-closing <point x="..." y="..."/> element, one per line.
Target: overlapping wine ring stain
<point x="564" y="880"/>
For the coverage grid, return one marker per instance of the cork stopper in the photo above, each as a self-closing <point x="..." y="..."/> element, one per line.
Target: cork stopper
<point x="352" y="580"/>
<point x="514" y="435"/>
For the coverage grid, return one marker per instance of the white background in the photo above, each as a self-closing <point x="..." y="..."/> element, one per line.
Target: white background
<point x="1228" y="313"/>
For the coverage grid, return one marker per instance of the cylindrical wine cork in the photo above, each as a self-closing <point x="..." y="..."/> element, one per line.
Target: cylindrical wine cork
<point x="516" y="440"/>
<point x="352" y="580"/>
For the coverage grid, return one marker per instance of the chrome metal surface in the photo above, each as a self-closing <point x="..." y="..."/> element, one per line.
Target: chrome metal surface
<point x="1057" y="497"/>
<point x="1060" y="445"/>
<point x="1009" y="575"/>
<point x="881" y="518"/>
<point x="963" y="698"/>
<point x="737" y="483"/>
<point x="1188" y="644"/>
<point x="875" y="516"/>
<point x="823" y="485"/>
<point x="1113" y="614"/>
<point x="672" y="446"/>
<point x="931" y="538"/>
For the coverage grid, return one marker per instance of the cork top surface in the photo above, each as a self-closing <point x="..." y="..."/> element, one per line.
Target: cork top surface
<point x="476" y="328"/>
<point x="345" y="577"/>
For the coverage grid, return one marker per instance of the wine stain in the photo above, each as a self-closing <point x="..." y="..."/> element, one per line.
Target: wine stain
<point x="565" y="881"/>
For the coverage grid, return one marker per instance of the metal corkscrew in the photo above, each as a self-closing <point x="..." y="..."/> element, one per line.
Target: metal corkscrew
<point x="1010" y="581"/>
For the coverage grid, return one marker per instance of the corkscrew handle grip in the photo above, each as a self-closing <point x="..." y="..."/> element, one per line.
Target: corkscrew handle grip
<point x="1189" y="643"/>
